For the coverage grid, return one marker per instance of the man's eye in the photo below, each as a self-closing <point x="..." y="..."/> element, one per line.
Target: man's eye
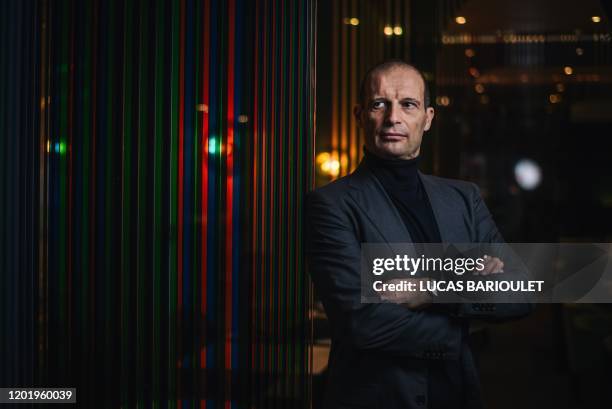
<point x="409" y="104"/>
<point x="378" y="104"/>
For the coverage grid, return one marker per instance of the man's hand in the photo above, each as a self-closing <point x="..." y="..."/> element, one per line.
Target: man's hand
<point x="414" y="300"/>
<point x="492" y="265"/>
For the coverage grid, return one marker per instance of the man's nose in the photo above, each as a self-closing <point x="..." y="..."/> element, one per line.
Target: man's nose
<point x="392" y="114"/>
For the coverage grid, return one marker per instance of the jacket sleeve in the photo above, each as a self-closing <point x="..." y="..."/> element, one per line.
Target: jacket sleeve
<point x="486" y="231"/>
<point x="333" y="253"/>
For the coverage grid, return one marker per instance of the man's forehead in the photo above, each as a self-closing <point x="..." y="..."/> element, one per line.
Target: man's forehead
<point x="398" y="80"/>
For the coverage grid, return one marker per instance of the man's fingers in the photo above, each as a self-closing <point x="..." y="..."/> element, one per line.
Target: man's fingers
<point x="416" y="299"/>
<point x="499" y="268"/>
<point x="393" y="296"/>
<point x="492" y="265"/>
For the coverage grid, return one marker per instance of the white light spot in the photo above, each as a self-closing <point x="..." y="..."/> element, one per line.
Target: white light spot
<point x="528" y="174"/>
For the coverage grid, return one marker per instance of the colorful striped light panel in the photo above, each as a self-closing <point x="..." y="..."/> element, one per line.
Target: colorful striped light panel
<point x="155" y="158"/>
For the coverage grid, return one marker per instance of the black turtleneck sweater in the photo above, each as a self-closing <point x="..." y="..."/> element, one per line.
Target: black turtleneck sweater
<point x="401" y="181"/>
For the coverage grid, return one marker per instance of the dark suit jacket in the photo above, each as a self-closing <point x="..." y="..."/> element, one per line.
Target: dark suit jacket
<point x="380" y="353"/>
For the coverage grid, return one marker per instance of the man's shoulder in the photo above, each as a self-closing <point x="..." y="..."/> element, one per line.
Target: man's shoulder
<point x="334" y="190"/>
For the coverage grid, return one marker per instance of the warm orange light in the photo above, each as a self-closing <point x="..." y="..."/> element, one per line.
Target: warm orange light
<point x="474" y="72"/>
<point x="443" y="101"/>
<point x="388" y="30"/>
<point x="397" y="30"/>
<point x="354" y="21"/>
<point x="479" y="88"/>
<point x="568" y="70"/>
<point x="331" y="167"/>
<point x="595" y="19"/>
<point x="322" y="157"/>
<point x="469" y="52"/>
<point x="460" y="20"/>
<point x="554" y="98"/>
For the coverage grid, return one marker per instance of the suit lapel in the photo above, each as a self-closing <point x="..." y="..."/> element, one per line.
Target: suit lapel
<point x="445" y="213"/>
<point x="371" y="197"/>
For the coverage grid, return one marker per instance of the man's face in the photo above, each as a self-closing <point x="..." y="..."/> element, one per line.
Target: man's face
<point x="394" y="115"/>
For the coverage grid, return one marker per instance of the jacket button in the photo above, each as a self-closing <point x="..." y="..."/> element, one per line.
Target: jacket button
<point x="420" y="399"/>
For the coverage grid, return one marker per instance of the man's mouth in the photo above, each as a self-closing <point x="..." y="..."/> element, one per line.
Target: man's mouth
<point x="392" y="136"/>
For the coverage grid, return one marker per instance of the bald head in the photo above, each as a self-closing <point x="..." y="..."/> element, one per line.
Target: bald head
<point x="388" y="66"/>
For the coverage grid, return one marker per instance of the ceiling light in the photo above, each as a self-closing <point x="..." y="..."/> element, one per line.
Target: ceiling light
<point x="388" y="30"/>
<point x="354" y="21"/>
<point x="568" y="70"/>
<point x="397" y="30"/>
<point x="595" y="19"/>
<point x="460" y="20"/>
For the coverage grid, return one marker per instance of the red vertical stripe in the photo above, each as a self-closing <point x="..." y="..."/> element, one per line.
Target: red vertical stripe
<point x="205" y="138"/>
<point x="229" y="199"/>
<point x="264" y="174"/>
<point x="272" y="179"/>
<point x="255" y="185"/>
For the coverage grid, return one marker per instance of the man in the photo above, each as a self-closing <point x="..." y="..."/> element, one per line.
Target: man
<point x="386" y="355"/>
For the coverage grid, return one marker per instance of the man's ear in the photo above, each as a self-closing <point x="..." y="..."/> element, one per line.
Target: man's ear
<point x="429" y="115"/>
<point x="357" y="113"/>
